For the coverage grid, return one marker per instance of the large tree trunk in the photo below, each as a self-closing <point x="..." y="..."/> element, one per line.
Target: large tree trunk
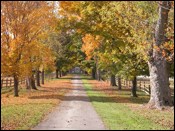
<point x="134" y="87"/>
<point x="113" y="81"/>
<point x="16" y="82"/>
<point x="42" y="74"/>
<point x="160" y="91"/>
<point x="119" y="83"/>
<point x="38" y="78"/>
<point x="56" y="73"/>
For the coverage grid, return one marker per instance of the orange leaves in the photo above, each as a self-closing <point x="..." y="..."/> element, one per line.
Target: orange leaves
<point x="166" y="49"/>
<point x="25" y="28"/>
<point x="68" y="8"/>
<point x="90" y="44"/>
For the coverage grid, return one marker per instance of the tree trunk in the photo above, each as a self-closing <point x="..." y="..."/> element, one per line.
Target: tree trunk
<point x="119" y="83"/>
<point x="112" y="82"/>
<point x="63" y="73"/>
<point x="93" y="72"/>
<point x="60" y="73"/>
<point x="98" y="75"/>
<point x="38" y="78"/>
<point x="42" y="74"/>
<point x="159" y="82"/>
<point x="134" y="87"/>
<point x="96" y="68"/>
<point x="56" y="73"/>
<point x="28" y="83"/>
<point x="16" y="82"/>
<point x="33" y="82"/>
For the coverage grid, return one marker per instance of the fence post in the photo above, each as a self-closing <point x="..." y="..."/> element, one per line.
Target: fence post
<point x="42" y="78"/>
<point x="1" y="83"/>
<point x="149" y="89"/>
<point x="6" y="82"/>
<point x="10" y="82"/>
<point x="140" y="85"/>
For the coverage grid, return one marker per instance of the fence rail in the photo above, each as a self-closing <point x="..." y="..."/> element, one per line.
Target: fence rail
<point x="142" y="84"/>
<point x="9" y="81"/>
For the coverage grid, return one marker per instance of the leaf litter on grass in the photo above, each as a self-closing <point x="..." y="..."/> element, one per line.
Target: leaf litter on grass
<point x="164" y="118"/>
<point x="50" y="93"/>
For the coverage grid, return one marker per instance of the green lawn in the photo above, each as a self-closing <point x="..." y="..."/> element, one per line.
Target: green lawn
<point x="118" y="116"/>
<point x="23" y="116"/>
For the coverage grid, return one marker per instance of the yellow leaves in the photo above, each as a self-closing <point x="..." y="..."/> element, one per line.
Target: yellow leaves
<point x="90" y="44"/>
<point x="166" y="49"/>
<point x="25" y="28"/>
<point x="68" y="7"/>
<point x="168" y="46"/>
<point x="79" y="30"/>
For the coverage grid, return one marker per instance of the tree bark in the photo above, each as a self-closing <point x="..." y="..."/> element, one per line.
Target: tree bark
<point x="63" y="73"/>
<point x="98" y="75"/>
<point x="33" y="82"/>
<point x="113" y="81"/>
<point x="56" y="73"/>
<point x="159" y="82"/>
<point x="134" y="87"/>
<point x="93" y="72"/>
<point x="38" y="78"/>
<point x="28" y="83"/>
<point x="42" y="74"/>
<point x="60" y="73"/>
<point x="119" y="83"/>
<point x="16" y="82"/>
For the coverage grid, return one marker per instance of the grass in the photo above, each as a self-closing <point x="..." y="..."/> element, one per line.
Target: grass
<point x="27" y="110"/>
<point x="6" y="89"/>
<point x="120" y="111"/>
<point x="23" y="116"/>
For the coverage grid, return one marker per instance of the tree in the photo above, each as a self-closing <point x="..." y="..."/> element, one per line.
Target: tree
<point x="22" y="24"/>
<point x="132" y="25"/>
<point x="159" y="78"/>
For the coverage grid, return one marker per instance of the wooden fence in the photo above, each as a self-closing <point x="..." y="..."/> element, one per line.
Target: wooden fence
<point x="142" y="84"/>
<point x="49" y="76"/>
<point x="9" y="81"/>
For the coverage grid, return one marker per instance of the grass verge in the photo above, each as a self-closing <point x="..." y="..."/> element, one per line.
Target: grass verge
<point x="22" y="117"/>
<point x="27" y="110"/>
<point x="120" y="116"/>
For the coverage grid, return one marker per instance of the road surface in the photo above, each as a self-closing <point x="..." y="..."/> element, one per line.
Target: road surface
<point x="73" y="113"/>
